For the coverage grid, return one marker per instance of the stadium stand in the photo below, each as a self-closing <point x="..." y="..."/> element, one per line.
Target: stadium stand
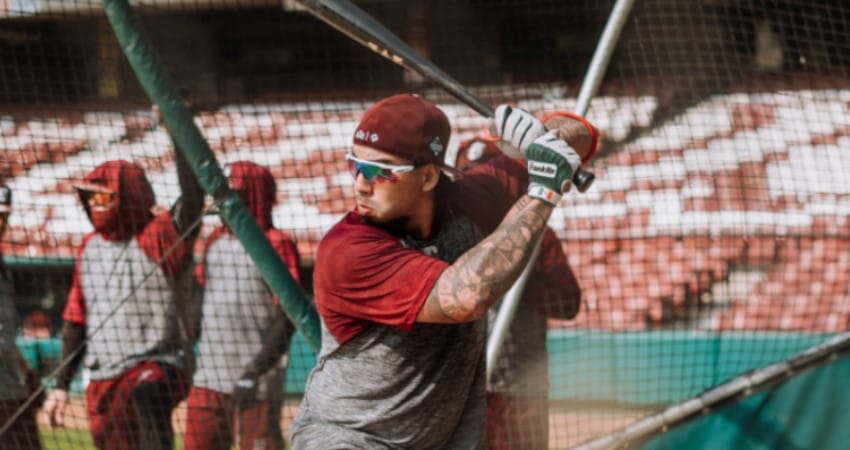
<point x="657" y="240"/>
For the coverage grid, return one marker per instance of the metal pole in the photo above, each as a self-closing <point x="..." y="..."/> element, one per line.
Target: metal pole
<point x="602" y="55"/>
<point x="592" y="79"/>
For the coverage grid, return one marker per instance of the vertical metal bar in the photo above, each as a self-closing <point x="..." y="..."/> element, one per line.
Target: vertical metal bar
<point x="592" y="79"/>
<point x="602" y="56"/>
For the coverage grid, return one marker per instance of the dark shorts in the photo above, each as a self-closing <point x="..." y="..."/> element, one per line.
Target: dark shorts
<point x="212" y="424"/>
<point x="133" y="410"/>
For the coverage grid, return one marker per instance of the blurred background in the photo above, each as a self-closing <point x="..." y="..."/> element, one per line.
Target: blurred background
<point x="714" y="241"/>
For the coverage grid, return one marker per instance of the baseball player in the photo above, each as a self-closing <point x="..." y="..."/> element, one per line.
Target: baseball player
<point x="17" y="379"/>
<point x="238" y="387"/>
<point x="403" y="282"/>
<point x="125" y="310"/>
<point x="518" y="388"/>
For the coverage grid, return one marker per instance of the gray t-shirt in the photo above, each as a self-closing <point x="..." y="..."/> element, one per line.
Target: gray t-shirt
<point x="388" y="388"/>
<point x="129" y="308"/>
<point x="238" y="311"/>
<point x="392" y="389"/>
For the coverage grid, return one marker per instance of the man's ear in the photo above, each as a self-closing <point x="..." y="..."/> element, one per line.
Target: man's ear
<point x="430" y="177"/>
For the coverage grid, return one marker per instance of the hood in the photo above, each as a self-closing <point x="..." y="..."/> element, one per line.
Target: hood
<point x="135" y="197"/>
<point x="256" y="187"/>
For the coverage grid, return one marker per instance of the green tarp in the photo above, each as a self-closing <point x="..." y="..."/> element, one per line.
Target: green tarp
<point x="807" y="412"/>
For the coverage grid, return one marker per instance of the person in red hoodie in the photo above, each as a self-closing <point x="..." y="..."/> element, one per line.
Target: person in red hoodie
<point x="124" y="318"/>
<point x="518" y="388"/>
<point x="237" y="389"/>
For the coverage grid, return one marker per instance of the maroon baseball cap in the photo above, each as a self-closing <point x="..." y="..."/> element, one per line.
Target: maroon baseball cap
<point x="407" y="126"/>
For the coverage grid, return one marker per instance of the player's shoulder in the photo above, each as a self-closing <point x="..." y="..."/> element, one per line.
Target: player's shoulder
<point x="92" y="246"/>
<point x="161" y="222"/>
<point x="498" y="173"/>
<point x="89" y="237"/>
<point x="348" y="238"/>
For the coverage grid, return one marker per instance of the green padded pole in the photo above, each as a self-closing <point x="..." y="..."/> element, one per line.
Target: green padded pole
<point x="162" y="90"/>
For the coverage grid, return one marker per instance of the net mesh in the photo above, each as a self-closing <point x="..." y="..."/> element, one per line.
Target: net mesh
<point x="713" y="242"/>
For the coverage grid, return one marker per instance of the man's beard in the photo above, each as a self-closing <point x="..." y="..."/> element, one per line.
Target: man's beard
<point x="394" y="226"/>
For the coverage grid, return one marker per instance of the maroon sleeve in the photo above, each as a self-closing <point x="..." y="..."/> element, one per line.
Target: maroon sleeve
<point x="285" y="247"/>
<point x="161" y="241"/>
<point x="75" y="306"/>
<point x="364" y="275"/>
<point x="554" y="290"/>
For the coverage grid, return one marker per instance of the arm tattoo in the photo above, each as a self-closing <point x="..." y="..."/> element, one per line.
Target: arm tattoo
<point x="482" y="275"/>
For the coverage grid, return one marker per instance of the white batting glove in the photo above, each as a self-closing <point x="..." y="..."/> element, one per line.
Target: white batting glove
<point x="551" y="165"/>
<point x="518" y="126"/>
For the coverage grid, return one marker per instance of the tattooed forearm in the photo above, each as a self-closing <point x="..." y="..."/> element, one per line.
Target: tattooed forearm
<point x="481" y="276"/>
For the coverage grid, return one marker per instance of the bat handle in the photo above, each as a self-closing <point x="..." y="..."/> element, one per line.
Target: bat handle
<point x="582" y="179"/>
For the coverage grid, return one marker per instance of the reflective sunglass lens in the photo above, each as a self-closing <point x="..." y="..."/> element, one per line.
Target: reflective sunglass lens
<point x="102" y="198"/>
<point x="370" y="172"/>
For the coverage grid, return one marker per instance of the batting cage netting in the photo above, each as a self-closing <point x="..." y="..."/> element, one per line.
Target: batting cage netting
<point x="169" y="167"/>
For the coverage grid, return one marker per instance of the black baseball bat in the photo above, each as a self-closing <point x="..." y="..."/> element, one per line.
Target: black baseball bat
<point x="361" y="27"/>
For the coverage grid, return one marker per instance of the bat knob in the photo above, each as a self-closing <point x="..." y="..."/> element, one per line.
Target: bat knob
<point x="582" y="179"/>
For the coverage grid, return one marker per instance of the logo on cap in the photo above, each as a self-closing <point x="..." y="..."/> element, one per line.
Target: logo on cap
<point x="436" y="146"/>
<point x="366" y="136"/>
